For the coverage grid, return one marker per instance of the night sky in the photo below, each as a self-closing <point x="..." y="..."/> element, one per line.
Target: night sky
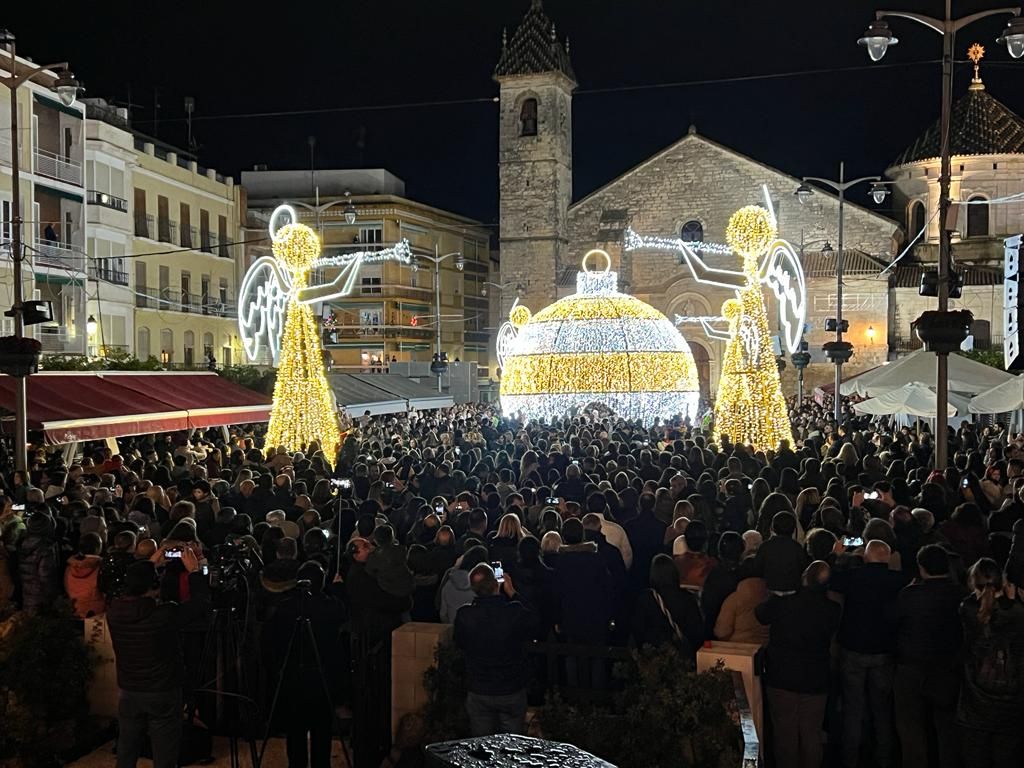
<point x="236" y="60"/>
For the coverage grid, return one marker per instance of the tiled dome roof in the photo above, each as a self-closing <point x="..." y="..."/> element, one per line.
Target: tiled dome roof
<point x="980" y="125"/>
<point x="534" y="48"/>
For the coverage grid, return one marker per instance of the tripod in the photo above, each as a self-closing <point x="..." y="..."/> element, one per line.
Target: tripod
<point x="224" y="652"/>
<point x="302" y="630"/>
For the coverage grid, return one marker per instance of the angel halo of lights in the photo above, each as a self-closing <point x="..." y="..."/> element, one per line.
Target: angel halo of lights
<point x="597" y="346"/>
<point x="750" y="407"/>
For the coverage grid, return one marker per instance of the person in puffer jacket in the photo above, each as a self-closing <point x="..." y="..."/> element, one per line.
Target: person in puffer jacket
<point x="39" y="563"/>
<point x="81" y="577"/>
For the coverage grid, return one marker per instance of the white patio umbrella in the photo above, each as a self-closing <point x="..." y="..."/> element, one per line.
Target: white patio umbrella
<point x="913" y="399"/>
<point x="965" y="375"/>
<point x="1008" y="396"/>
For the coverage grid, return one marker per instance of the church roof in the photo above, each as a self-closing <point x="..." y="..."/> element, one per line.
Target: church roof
<point x="979" y="125"/>
<point x="534" y="48"/>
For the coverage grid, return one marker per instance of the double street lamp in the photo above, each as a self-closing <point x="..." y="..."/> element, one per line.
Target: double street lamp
<point x="66" y="87"/>
<point x="460" y="264"/>
<point x="839" y="351"/>
<point x="942" y="331"/>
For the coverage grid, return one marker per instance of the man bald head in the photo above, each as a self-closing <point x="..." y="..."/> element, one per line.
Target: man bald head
<point x="877" y="551"/>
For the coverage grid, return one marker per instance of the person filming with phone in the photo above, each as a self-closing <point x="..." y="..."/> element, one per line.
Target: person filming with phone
<point x="493" y="632"/>
<point x="146" y="634"/>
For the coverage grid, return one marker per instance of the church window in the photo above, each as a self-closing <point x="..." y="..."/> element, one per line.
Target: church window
<point x="692" y="232"/>
<point x="916" y="219"/>
<point x="528" y="118"/>
<point x="977" y="217"/>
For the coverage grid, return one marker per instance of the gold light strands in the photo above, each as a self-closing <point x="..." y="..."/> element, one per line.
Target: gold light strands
<point x="303" y="410"/>
<point x="597" y="346"/>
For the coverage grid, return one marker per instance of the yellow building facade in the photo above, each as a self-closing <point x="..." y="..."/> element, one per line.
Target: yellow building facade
<point x="185" y="259"/>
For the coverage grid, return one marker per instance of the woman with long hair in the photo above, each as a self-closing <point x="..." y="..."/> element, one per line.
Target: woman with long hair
<point x="991" y="704"/>
<point x="667" y="613"/>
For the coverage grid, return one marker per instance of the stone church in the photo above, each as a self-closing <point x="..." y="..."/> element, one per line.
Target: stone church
<point x="689" y="190"/>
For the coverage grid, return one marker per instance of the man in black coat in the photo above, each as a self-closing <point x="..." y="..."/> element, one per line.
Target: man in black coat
<point x="647" y="538"/>
<point x="146" y="635"/>
<point x="928" y="642"/>
<point x="493" y="632"/>
<point x="780" y="560"/>
<point x="867" y="642"/>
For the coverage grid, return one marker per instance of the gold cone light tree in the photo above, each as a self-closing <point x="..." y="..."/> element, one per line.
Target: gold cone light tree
<point x="750" y="407"/>
<point x="303" y="409"/>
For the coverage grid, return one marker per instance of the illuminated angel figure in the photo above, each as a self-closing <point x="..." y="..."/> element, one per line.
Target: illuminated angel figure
<point x="750" y="407"/>
<point x="278" y="287"/>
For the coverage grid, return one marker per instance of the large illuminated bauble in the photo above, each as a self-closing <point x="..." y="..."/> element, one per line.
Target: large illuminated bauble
<point x="599" y="346"/>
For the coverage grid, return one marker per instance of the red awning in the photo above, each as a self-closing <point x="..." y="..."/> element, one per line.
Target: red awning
<point x="93" y="405"/>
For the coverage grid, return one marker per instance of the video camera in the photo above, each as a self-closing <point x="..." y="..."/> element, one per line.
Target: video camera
<point x="231" y="562"/>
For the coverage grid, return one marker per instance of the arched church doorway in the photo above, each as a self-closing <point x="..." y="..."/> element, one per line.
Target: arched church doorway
<point x="703" y="362"/>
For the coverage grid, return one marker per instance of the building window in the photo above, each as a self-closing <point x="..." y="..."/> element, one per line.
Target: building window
<point x="916" y="219"/>
<point x="142" y="350"/>
<point x="528" y="118"/>
<point x="977" y="217"/>
<point x="370" y="285"/>
<point x="692" y="232"/>
<point x="372" y="234"/>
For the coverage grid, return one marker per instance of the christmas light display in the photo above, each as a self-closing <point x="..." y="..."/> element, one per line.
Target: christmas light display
<point x="750" y="407"/>
<point x="597" y="346"/>
<point x="267" y="290"/>
<point x="303" y="409"/>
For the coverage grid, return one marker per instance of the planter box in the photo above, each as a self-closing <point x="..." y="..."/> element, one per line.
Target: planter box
<point x="19" y="365"/>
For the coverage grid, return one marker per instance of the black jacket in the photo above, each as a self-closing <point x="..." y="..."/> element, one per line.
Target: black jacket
<point x="535" y="585"/>
<point x="799" y="639"/>
<point x="992" y="694"/>
<point x="647" y="538"/>
<point x="146" y="637"/>
<point x="719" y="584"/>
<point x="584" y="592"/>
<point x="868" y="624"/>
<point x="650" y="627"/>
<point x="781" y="562"/>
<point x="928" y="623"/>
<point x="493" y="633"/>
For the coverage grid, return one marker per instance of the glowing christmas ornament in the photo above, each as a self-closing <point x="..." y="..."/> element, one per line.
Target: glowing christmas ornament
<point x="597" y="346"/>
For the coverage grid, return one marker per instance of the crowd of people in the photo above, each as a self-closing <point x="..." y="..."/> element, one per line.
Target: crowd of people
<point x="886" y="594"/>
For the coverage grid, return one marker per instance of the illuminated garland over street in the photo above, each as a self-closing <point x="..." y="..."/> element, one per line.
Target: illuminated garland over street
<point x="596" y="346"/>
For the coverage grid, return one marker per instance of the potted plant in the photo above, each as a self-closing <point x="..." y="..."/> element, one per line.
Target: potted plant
<point x="19" y="355"/>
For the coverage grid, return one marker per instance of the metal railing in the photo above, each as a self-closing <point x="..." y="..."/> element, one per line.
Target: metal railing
<point x="173" y="300"/>
<point x="107" y="200"/>
<point x="56" y="339"/>
<point x="190" y="302"/>
<point x="223" y="248"/>
<point x="108" y="274"/>
<point x="153" y="298"/>
<point x="188" y="236"/>
<point x="57" y="167"/>
<point x="167" y="230"/>
<point x="208" y="241"/>
<point x="50" y="253"/>
<point x="143" y="225"/>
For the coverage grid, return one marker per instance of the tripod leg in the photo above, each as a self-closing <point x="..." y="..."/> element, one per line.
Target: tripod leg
<point x="277" y="694"/>
<point x="321" y="674"/>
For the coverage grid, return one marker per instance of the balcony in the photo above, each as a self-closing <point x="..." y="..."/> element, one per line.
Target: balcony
<point x="53" y="254"/>
<point x="223" y="248"/>
<point x="56" y="167"/>
<point x="188" y="236"/>
<point x="102" y="272"/>
<point x="55" y="339"/>
<point x="216" y="308"/>
<point x="190" y="302"/>
<point x="144" y="225"/>
<point x="153" y="298"/>
<point x="167" y="230"/>
<point x="107" y="200"/>
<point x="208" y="241"/>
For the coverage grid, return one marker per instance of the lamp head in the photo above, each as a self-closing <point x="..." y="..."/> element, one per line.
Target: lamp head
<point x="1013" y="37"/>
<point x="877" y="39"/>
<point x="803" y="193"/>
<point x="66" y="87"/>
<point x="879" y="192"/>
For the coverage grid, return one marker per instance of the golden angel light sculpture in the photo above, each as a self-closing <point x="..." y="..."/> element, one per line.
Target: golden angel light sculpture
<point x="275" y="315"/>
<point x="750" y="407"/>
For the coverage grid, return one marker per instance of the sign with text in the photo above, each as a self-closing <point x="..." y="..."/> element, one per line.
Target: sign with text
<point x="1013" y="308"/>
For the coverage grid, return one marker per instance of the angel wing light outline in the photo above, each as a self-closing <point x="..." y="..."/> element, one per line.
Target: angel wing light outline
<point x="267" y="288"/>
<point x="782" y="272"/>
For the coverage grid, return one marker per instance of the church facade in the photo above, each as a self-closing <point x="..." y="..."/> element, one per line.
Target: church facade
<point x="688" y="190"/>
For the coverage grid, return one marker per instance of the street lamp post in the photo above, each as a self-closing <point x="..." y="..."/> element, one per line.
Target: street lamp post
<point x="66" y="88"/>
<point x="840" y="351"/>
<point x="877" y="40"/>
<point x="460" y="264"/>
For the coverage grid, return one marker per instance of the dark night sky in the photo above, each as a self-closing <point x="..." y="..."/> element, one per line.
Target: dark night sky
<point x="235" y="59"/>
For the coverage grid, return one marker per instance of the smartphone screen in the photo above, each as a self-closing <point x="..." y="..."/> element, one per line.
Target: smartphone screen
<point x="499" y="572"/>
<point x="175" y="553"/>
<point x="853" y="541"/>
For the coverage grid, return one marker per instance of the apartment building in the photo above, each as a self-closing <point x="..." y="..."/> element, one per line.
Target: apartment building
<point x="53" y="209"/>
<point x="391" y="314"/>
<point x="183" y="270"/>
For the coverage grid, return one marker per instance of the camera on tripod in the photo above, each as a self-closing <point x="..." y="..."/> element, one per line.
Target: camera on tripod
<point x="230" y="563"/>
